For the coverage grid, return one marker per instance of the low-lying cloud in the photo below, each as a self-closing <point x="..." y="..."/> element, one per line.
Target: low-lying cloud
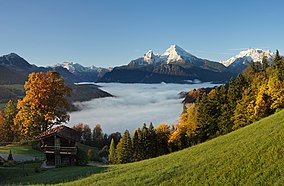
<point x="133" y="105"/>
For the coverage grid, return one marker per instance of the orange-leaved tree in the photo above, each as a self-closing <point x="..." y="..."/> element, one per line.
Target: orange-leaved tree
<point x="44" y="105"/>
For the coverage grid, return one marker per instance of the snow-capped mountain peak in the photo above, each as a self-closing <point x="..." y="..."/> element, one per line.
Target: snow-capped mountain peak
<point x="72" y="67"/>
<point x="246" y="56"/>
<point x="177" y="54"/>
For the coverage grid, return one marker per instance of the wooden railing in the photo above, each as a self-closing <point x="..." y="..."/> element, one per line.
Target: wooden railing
<point x="59" y="150"/>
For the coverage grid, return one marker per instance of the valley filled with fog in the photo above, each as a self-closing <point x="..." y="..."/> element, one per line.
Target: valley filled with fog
<point x="133" y="105"/>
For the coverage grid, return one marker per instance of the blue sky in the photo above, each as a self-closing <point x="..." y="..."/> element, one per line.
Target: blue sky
<point x="110" y="33"/>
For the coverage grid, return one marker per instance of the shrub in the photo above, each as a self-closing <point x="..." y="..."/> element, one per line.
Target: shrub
<point x="82" y="157"/>
<point x="91" y="154"/>
<point x="104" y="152"/>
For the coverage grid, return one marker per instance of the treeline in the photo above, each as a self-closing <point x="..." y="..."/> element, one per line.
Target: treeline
<point x="97" y="139"/>
<point x="145" y="143"/>
<point x="254" y="94"/>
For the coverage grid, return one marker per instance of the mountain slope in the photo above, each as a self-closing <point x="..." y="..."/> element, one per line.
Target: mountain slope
<point x="239" y="62"/>
<point x="89" y="74"/>
<point x="178" y="56"/>
<point x="174" y="66"/>
<point x="253" y="155"/>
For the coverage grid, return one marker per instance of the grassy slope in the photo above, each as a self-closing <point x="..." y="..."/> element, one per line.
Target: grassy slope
<point x="20" y="150"/>
<point x="24" y="174"/>
<point x="253" y="155"/>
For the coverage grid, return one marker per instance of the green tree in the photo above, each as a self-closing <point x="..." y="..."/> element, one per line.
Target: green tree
<point x="98" y="136"/>
<point x="87" y="135"/>
<point x="9" y="131"/>
<point x="264" y="63"/>
<point x="136" y="145"/>
<point x="126" y="155"/>
<point x="210" y="110"/>
<point x="152" y="141"/>
<point x="163" y="135"/>
<point x="111" y="155"/>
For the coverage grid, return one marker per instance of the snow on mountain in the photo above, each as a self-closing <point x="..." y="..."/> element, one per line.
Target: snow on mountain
<point x="76" y="67"/>
<point x="177" y="54"/>
<point x="174" y="54"/>
<point x="72" y="67"/>
<point x="246" y="56"/>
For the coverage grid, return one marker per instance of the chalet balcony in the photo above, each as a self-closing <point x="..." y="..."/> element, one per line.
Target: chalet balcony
<point x="59" y="150"/>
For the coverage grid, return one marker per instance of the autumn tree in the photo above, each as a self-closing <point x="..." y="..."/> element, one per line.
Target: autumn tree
<point x="111" y="155"/>
<point x="2" y="120"/>
<point x="44" y="105"/>
<point x="86" y="133"/>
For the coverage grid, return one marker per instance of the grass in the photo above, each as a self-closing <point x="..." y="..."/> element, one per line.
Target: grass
<point x="253" y="155"/>
<point x="20" y="150"/>
<point x="24" y="174"/>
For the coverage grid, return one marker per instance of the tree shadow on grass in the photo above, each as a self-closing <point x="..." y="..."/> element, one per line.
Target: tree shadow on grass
<point x="31" y="175"/>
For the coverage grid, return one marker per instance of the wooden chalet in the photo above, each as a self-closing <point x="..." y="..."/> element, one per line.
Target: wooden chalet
<point x="59" y="145"/>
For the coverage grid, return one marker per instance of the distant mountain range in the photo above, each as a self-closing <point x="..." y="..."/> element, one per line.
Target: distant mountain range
<point x="175" y="65"/>
<point x="239" y="62"/>
<point x="15" y="69"/>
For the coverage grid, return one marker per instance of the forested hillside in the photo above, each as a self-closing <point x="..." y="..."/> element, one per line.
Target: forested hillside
<point x="252" y="155"/>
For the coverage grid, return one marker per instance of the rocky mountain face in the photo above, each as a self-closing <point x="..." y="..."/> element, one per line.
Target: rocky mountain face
<point x="83" y="74"/>
<point x="175" y="65"/>
<point x="15" y="69"/>
<point x="239" y="62"/>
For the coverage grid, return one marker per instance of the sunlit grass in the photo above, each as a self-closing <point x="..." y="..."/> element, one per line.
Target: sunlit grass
<point x="20" y="150"/>
<point x="253" y="155"/>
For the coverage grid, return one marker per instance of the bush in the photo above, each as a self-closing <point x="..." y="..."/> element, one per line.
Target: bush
<point x="91" y="154"/>
<point x="9" y="163"/>
<point x="104" y="152"/>
<point x="37" y="169"/>
<point x="82" y="157"/>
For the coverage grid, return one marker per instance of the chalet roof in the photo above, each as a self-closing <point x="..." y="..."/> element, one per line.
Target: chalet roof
<point x="62" y="131"/>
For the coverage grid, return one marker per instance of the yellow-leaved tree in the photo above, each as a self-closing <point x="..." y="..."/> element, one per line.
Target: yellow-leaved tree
<point x="44" y="105"/>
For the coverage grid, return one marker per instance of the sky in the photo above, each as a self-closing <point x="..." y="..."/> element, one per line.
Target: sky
<point x="109" y="33"/>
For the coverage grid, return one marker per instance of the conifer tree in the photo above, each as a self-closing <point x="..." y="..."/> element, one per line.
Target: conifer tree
<point x="87" y="135"/>
<point x="10" y="112"/>
<point x="144" y="142"/>
<point x="98" y="136"/>
<point x="163" y="134"/>
<point x="111" y="156"/>
<point x="136" y="145"/>
<point x="152" y="142"/>
<point x="124" y="150"/>
<point x="264" y="63"/>
<point x="118" y="152"/>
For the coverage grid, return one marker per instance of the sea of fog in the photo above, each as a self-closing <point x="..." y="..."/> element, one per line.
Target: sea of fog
<point x="133" y="105"/>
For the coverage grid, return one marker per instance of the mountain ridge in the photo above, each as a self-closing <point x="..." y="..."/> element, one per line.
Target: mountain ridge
<point x="240" y="61"/>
